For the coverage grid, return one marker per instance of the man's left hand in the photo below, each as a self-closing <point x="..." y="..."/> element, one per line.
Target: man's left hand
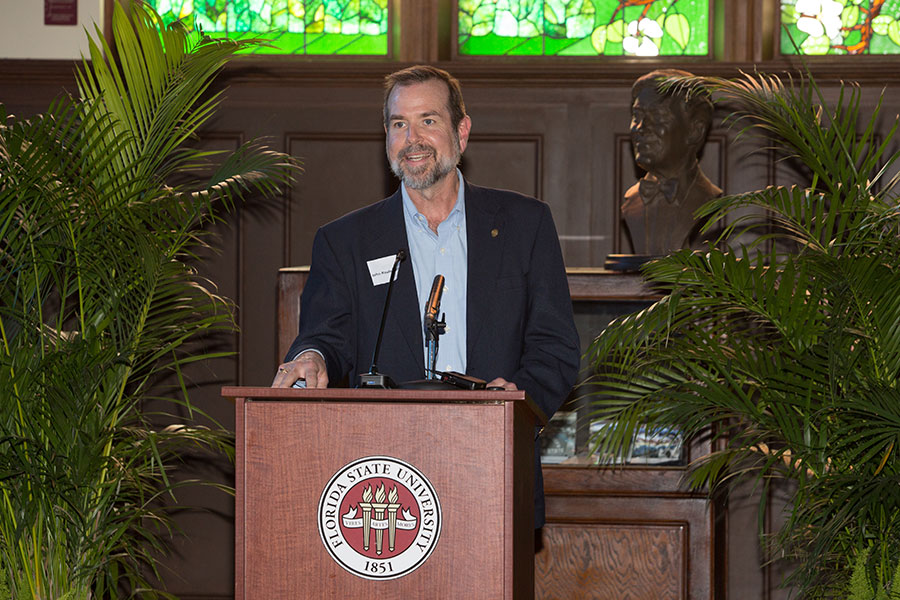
<point x="509" y="386"/>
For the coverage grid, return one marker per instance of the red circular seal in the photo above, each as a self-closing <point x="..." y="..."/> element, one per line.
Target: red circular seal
<point x="379" y="517"/>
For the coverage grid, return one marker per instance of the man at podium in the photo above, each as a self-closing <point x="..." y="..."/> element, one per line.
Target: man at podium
<point x="505" y="301"/>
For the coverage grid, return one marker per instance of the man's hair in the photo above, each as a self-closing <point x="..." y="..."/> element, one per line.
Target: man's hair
<point x="421" y="74"/>
<point x="694" y="99"/>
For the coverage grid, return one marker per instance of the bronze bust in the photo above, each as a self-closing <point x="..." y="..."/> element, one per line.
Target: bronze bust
<point x="668" y="129"/>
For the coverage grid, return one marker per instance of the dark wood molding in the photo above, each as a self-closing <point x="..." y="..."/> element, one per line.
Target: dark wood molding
<point x="543" y="73"/>
<point x="18" y="71"/>
<point x="300" y="72"/>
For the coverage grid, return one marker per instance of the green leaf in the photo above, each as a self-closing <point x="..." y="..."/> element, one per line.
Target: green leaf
<point x="679" y="28"/>
<point x="882" y="23"/>
<point x="789" y="14"/>
<point x="850" y="16"/>
<point x="815" y="46"/>
<point x="482" y="29"/>
<point x="465" y="24"/>
<point x="579" y="26"/>
<point x="598" y="39"/>
<point x="555" y="11"/>
<point x="615" y="32"/>
<point x="894" y="32"/>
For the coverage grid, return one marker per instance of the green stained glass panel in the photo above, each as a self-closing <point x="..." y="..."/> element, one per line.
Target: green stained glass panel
<point x="310" y="27"/>
<point x="584" y="27"/>
<point x="830" y="27"/>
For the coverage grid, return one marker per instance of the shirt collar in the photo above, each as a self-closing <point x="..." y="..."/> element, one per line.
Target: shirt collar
<point x="459" y="210"/>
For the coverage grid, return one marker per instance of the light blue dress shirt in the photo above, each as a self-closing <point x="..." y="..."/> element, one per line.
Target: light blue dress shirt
<point x="444" y="253"/>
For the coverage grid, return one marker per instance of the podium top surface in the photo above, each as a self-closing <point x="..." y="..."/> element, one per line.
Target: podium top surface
<point x="382" y="395"/>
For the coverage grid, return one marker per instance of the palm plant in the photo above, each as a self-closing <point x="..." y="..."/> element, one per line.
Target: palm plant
<point x="98" y="302"/>
<point x="786" y="349"/>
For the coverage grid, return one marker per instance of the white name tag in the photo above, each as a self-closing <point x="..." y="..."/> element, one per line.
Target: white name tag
<point x="380" y="269"/>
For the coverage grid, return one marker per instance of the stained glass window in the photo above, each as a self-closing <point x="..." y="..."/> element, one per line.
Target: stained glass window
<point x="820" y="27"/>
<point x="317" y="27"/>
<point x="584" y="27"/>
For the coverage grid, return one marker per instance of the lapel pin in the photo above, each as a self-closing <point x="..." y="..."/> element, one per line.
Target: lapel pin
<point x="495" y="232"/>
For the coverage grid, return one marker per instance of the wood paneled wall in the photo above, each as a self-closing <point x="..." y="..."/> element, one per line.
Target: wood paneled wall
<point x="557" y="131"/>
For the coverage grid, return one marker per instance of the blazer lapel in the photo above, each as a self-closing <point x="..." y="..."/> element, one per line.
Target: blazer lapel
<point x="484" y="236"/>
<point x="388" y="235"/>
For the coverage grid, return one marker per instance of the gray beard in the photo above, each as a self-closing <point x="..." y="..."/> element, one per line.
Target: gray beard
<point x="427" y="178"/>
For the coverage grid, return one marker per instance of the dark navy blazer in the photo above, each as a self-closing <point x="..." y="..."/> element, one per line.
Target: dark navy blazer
<point x="519" y="312"/>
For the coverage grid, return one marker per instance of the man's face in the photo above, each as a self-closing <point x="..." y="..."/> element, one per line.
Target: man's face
<point x="422" y="144"/>
<point x="659" y="133"/>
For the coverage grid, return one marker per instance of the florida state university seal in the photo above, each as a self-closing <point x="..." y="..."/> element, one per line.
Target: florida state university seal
<point x="379" y="518"/>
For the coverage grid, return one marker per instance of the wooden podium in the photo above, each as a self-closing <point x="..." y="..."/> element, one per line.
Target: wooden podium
<point x="371" y="493"/>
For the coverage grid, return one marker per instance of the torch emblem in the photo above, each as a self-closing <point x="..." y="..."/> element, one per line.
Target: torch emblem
<point x="373" y="496"/>
<point x="385" y="518"/>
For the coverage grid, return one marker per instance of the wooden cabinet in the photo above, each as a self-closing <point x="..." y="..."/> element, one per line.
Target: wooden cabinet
<point x="624" y="532"/>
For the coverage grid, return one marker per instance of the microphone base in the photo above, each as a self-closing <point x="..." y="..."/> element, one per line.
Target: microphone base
<point x="376" y="380"/>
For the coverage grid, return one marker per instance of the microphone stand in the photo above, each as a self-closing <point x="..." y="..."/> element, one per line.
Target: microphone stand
<point x="373" y="378"/>
<point x="434" y="327"/>
<point x="432" y="332"/>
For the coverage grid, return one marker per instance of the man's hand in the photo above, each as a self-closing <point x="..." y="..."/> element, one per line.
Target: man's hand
<point x="309" y="366"/>
<point x="509" y="386"/>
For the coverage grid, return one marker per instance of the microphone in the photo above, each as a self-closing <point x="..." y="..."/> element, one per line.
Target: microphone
<point x="433" y="327"/>
<point x="373" y="378"/>
<point x="433" y="306"/>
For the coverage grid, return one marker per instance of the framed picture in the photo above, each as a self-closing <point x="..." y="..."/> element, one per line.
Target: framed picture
<point x="658" y="448"/>
<point x="661" y="447"/>
<point x="558" y="438"/>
